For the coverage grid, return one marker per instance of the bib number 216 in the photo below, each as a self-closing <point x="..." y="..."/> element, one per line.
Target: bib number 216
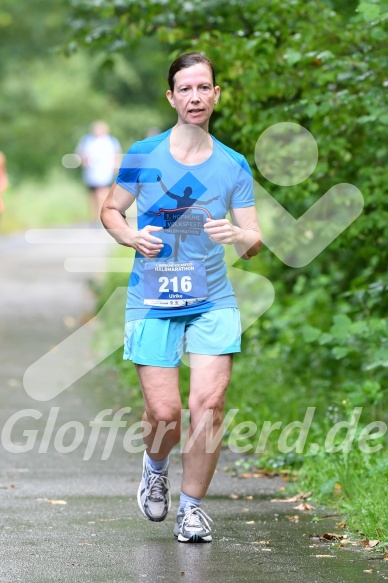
<point x="175" y="284"/>
<point x="178" y="284"/>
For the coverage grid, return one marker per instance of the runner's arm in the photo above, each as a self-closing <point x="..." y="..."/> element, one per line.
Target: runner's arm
<point x="113" y="218"/>
<point x="243" y="232"/>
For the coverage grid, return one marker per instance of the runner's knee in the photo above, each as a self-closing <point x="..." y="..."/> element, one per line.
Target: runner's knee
<point x="167" y="414"/>
<point x="214" y="401"/>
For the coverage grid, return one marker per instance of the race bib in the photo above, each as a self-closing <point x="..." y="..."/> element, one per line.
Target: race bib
<point x="175" y="284"/>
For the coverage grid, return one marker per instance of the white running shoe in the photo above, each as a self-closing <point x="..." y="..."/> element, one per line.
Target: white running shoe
<point x="192" y="525"/>
<point x="153" y="495"/>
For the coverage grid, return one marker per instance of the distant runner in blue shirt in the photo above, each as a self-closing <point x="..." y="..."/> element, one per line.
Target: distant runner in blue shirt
<point x="179" y="299"/>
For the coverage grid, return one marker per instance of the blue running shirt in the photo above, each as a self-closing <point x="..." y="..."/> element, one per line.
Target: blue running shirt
<point x="189" y="275"/>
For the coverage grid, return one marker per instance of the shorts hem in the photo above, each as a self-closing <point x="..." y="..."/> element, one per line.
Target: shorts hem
<point x="147" y="362"/>
<point x="214" y="353"/>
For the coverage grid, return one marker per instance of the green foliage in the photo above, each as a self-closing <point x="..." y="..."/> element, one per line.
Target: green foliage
<point x="356" y="484"/>
<point x="321" y="64"/>
<point x="48" y="100"/>
<point x="56" y="202"/>
<point x="56" y="103"/>
<point x="273" y="67"/>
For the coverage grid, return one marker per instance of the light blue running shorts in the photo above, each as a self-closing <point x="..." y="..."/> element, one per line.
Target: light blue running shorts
<point x="162" y="341"/>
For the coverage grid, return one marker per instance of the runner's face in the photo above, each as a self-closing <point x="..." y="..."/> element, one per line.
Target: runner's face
<point x="194" y="95"/>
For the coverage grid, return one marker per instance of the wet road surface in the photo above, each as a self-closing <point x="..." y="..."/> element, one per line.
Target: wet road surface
<point x="69" y="519"/>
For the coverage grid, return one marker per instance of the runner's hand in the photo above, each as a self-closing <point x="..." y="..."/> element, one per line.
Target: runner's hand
<point x="222" y="231"/>
<point x="145" y="243"/>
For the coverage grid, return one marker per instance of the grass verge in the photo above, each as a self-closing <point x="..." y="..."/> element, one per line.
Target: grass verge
<point x="59" y="200"/>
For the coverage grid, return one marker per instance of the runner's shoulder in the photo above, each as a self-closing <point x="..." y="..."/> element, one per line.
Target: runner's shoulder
<point x="147" y="145"/>
<point x="236" y="156"/>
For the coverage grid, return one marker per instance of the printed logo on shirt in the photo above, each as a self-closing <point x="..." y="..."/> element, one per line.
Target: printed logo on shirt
<point x="187" y="218"/>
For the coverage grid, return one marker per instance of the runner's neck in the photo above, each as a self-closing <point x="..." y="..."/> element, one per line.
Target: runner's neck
<point x="190" y="145"/>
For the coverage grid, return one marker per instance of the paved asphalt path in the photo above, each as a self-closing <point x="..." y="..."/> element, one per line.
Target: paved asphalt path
<point x="66" y="519"/>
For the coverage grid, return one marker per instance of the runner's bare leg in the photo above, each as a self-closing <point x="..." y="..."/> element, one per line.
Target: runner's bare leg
<point x="208" y="383"/>
<point x="162" y="402"/>
<point x="209" y="379"/>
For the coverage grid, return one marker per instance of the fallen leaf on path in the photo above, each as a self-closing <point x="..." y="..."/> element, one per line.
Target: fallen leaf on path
<point x="304" y="506"/>
<point x="268" y="473"/>
<point x="249" y="522"/>
<point x="330" y="536"/>
<point x="51" y="501"/>
<point x="294" y="518"/>
<point x="261" y="542"/>
<point x="368" y="570"/>
<point x="252" y="475"/>
<point x="333" y="536"/>
<point x="69" y="322"/>
<point x="325" y="556"/>
<point x="234" y="496"/>
<point x="296" y="498"/>
<point x="263" y="473"/>
<point x="289" y="478"/>
<point x="369" y="543"/>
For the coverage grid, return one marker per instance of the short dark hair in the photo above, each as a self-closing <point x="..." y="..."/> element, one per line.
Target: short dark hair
<point x="188" y="60"/>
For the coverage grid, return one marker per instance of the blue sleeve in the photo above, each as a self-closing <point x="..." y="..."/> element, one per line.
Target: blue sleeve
<point x="243" y="193"/>
<point x="129" y="173"/>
